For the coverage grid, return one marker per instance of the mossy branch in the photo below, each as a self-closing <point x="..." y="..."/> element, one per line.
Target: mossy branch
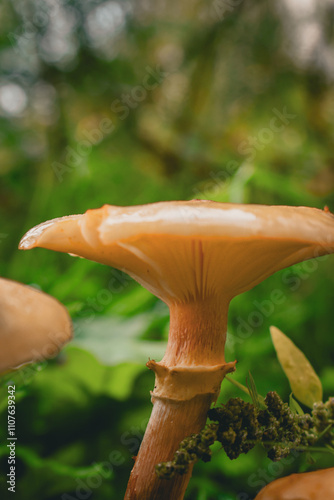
<point x="239" y="426"/>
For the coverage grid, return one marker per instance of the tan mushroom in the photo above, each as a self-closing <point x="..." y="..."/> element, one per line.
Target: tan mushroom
<point x="33" y="325"/>
<point x="196" y="256"/>
<point x="316" y="485"/>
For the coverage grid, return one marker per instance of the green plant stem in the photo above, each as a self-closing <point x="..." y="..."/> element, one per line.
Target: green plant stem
<point x="297" y="448"/>
<point x="324" y="432"/>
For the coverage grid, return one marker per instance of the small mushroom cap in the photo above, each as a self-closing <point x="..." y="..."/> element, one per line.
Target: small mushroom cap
<point x="185" y="250"/>
<point x="316" y="485"/>
<point x="33" y="325"/>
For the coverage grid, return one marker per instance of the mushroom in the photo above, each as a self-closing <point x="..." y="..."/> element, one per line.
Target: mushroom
<point x="195" y="256"/>
<point x="316" y="485"/>
<point x="33" y="325"/>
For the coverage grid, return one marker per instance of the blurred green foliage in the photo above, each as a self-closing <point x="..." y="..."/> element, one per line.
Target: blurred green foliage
<point x="129" y="102"/>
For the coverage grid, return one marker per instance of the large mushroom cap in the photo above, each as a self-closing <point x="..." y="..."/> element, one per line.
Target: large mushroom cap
<point x="33" y="325"/>
<point x="185" y="250"/>
<point x="316" y="485"/>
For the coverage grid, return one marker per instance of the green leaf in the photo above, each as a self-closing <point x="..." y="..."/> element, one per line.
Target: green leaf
<point x="294" y="406"/>
<point x="115" y="340"/>
<point x="81" y="376"/>
<point x="238" y="384"/>
<point x="252" y="390"/>
<point x="310" y="460"/>
<point x="231" y="189"/>
<point x="30" y="457"/>
<point x="304" y="382"/>
<point x="245" y="389"/>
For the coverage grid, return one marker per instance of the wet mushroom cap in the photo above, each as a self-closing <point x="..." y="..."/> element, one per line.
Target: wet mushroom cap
<point x="186" y="250"/>
<point x="33" y="325"/>
<point x="316" y="485"/>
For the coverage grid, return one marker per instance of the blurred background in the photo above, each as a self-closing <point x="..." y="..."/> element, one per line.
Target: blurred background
<point x="137" y="101"/>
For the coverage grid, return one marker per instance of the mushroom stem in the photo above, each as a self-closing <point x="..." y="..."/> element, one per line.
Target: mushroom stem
<point x="197" y="332"/>
<point x="187" y="382"/>
<point x="170" y="422"/>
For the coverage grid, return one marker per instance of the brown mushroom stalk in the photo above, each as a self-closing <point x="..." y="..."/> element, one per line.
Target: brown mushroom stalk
<point x="187" y="382"/>
<point x="195" y="256"/>
<point x="33" y="325"/>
